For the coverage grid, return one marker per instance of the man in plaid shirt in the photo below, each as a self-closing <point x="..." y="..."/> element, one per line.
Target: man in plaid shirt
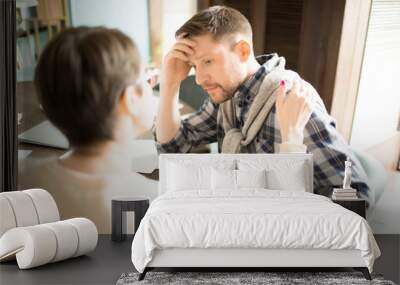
<point x="217" y="43"/>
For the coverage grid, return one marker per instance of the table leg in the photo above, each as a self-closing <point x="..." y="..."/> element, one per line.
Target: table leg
<point x="116" y="217"/>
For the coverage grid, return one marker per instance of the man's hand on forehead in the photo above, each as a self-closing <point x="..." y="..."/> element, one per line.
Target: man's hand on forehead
<point x="185" y="46"/>
<point x="176" y="66"/>
<point x="193" y="45"/>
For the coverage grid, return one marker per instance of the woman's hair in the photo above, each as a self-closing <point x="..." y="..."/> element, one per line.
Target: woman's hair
<point x="79" y="79"/>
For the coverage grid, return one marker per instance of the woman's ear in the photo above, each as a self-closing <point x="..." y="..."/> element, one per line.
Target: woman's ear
<point x="129" y="100"/>
<point x="243" y="49"/>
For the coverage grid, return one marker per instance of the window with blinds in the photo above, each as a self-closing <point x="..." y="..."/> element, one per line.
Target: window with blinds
<point x="378" y="102"/>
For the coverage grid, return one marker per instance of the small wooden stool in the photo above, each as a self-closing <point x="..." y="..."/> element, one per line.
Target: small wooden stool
<point x="139" y="205"/>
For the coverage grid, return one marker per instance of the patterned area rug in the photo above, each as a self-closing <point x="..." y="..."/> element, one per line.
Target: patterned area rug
<point x="242" y="278"/>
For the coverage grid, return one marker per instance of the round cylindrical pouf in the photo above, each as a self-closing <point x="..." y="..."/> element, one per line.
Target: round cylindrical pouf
<point x="45" y="205"/>
<point x="87" y="234"/>
<point x="23" y="208"/>
<point x="67" y="239"/>
<point x="33" y="246"/>
<point x="6" y="215"/>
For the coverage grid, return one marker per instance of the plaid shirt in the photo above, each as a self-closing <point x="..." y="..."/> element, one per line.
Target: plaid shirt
<point x="320" y="136"/>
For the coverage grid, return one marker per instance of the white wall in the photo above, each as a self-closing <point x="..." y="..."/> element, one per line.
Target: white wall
<point x="174" y="14"/>
<point x="377" y="111"/>
<point x="130" y="16"/>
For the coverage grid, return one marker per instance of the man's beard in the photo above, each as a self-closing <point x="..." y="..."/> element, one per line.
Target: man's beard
<point x="222" y="97"/>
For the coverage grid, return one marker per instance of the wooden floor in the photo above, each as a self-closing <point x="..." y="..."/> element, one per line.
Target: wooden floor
<point x="111" y="259"/>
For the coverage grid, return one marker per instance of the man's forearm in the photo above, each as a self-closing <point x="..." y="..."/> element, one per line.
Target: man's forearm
<point x="168" y="118"/>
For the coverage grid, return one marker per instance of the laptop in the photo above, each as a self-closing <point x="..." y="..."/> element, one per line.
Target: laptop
<point x="145" y="156"/>
<point x="45" y="134"/>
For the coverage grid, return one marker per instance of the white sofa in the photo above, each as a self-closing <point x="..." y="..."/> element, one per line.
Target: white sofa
<point x="31" y="230"/>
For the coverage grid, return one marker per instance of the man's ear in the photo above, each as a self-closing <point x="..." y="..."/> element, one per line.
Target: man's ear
<point x="243" y="49"/>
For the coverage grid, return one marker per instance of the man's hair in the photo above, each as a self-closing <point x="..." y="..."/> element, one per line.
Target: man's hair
<point x="79" y="79"/>
<point x="219" y="21"/>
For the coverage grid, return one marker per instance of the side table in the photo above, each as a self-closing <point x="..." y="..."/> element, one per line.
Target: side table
<point x="357" y="205"/>
<point x="119" y="205"/>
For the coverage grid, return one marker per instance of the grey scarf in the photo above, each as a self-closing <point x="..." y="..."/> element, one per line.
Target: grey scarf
<point x="236" y="138"/>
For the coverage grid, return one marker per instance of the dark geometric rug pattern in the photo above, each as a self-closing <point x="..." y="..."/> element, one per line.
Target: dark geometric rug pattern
<point x="244" y="278"/>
